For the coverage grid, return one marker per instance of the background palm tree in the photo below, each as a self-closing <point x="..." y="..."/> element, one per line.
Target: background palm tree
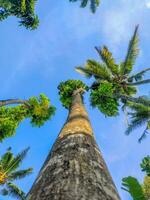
<point x="9" y="172"/>
<point x="139" y="191"/>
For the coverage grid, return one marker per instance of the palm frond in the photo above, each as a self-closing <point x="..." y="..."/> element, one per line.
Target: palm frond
<point x="143" y="136"/>
<point x="138" y="76"/>
<point x="134" y="124"/>
<point x="15" y="191"/>
<point x="6" y="159"/>
<point x="20" y="174"/>
<point x="132" y="54"/>
<point x="131" y="185"/>
<point x="95" y="69"/>
<point x="108" y="59"/>
<point x="140" y="82"/>
<point x="16" y="162"/>
<point x="84" y="71"/>
<point x="139" y="117"/>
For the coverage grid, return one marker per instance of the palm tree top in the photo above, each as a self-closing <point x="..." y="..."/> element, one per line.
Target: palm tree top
<point x="68" y="88"/>
<point x="9" y="172"/>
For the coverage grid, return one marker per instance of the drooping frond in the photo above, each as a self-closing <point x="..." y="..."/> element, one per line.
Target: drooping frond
<point x="15" y="191"/>
<point x="140" y="116"/>
<point x="143" y="136"/>
<point x="95" y="69"/>
<point x="132" y="54"/>
<point x="138" y="76"/>
<point x="145" y="165"/>
<point x="131" y="185"/>
<point x="93" y="4"/>
<point x="108" y="59"/>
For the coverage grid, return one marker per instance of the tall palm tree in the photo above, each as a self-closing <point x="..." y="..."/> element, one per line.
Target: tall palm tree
<point x="113" y="80"/>
<point x="9" y="172"/>
<point x="139" y="191"/>
<point x="93" y="4"/>
<point x="75" y="168"/>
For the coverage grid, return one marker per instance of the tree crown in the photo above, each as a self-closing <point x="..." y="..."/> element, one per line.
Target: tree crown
<point x="66" y="90"/>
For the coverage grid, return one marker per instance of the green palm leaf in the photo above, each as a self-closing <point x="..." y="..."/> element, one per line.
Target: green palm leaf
<point x="132" y="54"/>
<point x="20" y="174"/>
<point x="15" y="191"/>
<point x="131" y="185"/>
<point x="138" y="76"/>
<point x="16" y="162"/>
<point x="93" y="68"/>
<point x="140" y="82"/>
<point x="108" y="59"/>
<point x="6" y="159"/>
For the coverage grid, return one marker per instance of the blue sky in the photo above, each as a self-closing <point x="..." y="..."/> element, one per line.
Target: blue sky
<point x="34" y="62"/>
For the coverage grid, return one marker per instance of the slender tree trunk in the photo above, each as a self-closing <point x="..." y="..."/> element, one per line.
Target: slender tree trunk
<point x="74" y="169"/>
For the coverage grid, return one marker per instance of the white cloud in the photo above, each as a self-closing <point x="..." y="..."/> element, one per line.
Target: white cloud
<point x="147" y="3"/>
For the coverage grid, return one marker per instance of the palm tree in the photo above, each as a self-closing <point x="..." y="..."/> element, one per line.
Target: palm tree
<point x="139" y="191"/>
<point x="22" y="9"/>
<point x="39" y="110"/>
<point x="9" y="172"/>
<point x="139" y="115"/>
<point x="93" y="4"/>
<point x="75" y="168"/>
<point x="115" y="81"/>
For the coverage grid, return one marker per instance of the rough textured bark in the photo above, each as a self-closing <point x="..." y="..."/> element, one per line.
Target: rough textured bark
<point x="74" y="169"/>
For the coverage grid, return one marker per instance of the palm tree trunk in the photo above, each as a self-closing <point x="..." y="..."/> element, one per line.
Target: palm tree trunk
<point x="74" y="169"/>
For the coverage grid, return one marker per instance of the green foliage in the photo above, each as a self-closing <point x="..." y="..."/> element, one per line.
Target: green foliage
<point x="131" y="185"/>
<point x="146" y="187"/>
<point x="93" y="4"/>
<point x="39" y="110"/>
<point x="66" y="90"/>
<point x="101" y="98"/>
<point x="139" y="191"/>
<point x="9" y="172"/>
<point x="22" y="9"/>
<point x="145" y="165"/>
